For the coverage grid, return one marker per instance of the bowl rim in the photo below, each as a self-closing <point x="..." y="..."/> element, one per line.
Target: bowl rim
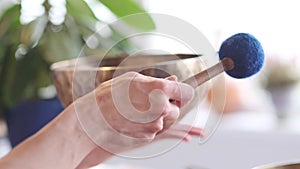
<point x="66" y="65"/>
<point x="278" y="164"/>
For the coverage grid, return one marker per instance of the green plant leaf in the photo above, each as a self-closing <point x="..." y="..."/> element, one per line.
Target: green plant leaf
<point x="10" y="19"/>
<point x="82" y="15"/>
<point x="79" y="9"/>
<point x="60" y="45"/>
<point x="25" y="75"/>
<point x="123" y="8"/>
<point x="10" y="27"/>
<point x="33" y="31"/>
<point x="7" y="75"/>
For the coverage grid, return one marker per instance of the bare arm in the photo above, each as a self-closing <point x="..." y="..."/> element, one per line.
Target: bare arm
<point x="61" y="144"/>
<point x="100" y="121"/>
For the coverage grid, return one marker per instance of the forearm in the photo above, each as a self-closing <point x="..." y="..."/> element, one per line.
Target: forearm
<point x="61" y="144"/>
<point x="108" y="119"/>
<point x="95" y="157"/>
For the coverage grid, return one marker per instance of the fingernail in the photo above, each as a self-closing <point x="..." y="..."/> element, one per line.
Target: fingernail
<point x="172" y="78"/>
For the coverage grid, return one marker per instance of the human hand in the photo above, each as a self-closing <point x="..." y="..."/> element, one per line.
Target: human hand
<point x="138" y="110"/>
<point x="130" y="110"/>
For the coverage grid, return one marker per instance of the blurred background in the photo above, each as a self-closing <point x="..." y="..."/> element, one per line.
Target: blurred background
<point x="270" y="98"/>
<point x="265" y="103"/>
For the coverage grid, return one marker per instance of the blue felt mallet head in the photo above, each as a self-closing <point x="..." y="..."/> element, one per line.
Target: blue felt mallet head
<point x="246" y="52"/>
<point x="241" y="56"/>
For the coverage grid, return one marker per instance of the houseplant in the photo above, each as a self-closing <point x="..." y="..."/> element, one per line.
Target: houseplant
<point x="30" y="41"/>
<point x="280" y="79"/>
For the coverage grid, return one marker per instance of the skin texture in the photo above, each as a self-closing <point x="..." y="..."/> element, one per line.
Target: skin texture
<point x="70" y="141"/>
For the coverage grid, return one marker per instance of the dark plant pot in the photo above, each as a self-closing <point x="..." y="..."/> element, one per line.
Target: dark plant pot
<point x="28" y="117"/>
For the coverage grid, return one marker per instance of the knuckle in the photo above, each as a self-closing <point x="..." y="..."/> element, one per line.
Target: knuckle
<point x="156" y="126"/>
<point x="158" y="84"/>
<point x="172" y="112"/>
<point x="131" y="74"/>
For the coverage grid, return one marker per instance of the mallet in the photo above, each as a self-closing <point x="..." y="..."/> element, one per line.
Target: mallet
<point x="241" y="56"/>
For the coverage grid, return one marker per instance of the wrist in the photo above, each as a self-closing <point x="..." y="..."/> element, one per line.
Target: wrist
<point x="73" y="133"/>
<point x="67" y="138"/>
<point x="60" y="144"/>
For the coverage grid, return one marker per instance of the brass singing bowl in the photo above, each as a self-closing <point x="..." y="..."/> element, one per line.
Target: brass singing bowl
<point x="75" y="78"/>
<point x="291" y="165"/>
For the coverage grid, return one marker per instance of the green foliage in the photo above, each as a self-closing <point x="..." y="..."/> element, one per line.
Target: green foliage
<point x="28" y="49"/>
<point x="123" y="8"/>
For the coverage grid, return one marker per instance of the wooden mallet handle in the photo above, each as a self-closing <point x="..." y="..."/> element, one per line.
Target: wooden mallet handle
<point x="198" y="79"/>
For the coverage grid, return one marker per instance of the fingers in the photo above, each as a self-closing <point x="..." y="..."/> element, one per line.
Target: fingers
<point x="160" y="92"/>
<point x="182" y="98"/>
<point x="132" y="109"/>
<point x="172" y="112"/>
<point x="174" y="90"/>
<point x="156" y="92"/>
<point x="182" y="132"/>
<point x="177" y="91"/>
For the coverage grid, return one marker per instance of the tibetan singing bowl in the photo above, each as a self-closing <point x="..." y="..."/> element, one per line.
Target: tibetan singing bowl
<point x="75" y="78"/>
<point x="292" y="165"/>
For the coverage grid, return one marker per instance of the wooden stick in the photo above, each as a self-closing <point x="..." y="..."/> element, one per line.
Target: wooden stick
<point x="198" y="79"/>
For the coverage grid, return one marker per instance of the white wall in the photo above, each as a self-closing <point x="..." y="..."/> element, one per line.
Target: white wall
<point x="275" y="23"/>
